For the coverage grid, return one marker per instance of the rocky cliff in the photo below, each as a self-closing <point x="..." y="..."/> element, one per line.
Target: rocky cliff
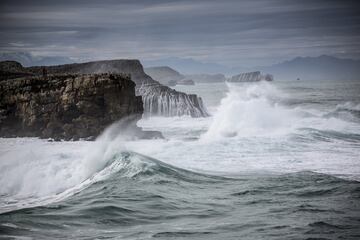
<point x="67" y="106"/>
<point x="164" y="101"/>
<point x="158" y="99"/>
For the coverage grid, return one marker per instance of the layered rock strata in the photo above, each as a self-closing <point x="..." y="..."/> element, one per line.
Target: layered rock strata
<point x="155" y="95"/>
<point x="68" y="106"/>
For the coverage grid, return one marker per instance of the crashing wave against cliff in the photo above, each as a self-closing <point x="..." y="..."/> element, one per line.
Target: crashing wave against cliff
<point x="158" y="99"/>
<point x="67" y="106"/>
<point x="164" y="101"/>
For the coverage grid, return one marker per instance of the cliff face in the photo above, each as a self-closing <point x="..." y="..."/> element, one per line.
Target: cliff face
<point x="66" y="106"/>
<point x="12" y="69"/>
<point x="164" y="101"/>
<point x="172" y="103"/>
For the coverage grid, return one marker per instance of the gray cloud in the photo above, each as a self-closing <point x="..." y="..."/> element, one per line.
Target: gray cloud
<point x="235" y="33"/>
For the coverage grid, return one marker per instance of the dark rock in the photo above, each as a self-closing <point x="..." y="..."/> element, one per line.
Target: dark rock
<point x="12" y="69"/>
<point x="145" y="86"/>
<point x="66" y="106"/>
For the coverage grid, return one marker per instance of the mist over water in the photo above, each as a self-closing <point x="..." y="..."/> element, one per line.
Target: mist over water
<point x="280" y="158"/>
<point x="251" y="111"/>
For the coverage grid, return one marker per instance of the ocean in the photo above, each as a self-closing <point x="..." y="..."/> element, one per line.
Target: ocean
<point x="276" y="160"/>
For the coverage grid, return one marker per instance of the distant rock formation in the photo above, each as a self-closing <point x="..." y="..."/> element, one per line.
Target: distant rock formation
<point x="168" y="102"/>
<point x="250" y="77"/>
<point x="164" y="75"/>
<point x="170" y="77"/>
<point x="188" y="65"/>
<point x="153" y="94"/>
<point x="207" y="78"/>
<point x="68" y="106"/>
<point x="316" y="68"/>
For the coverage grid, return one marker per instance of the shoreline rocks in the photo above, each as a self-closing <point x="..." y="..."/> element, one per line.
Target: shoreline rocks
<point x="68" y="106"/>
<point x="144" y="84"/>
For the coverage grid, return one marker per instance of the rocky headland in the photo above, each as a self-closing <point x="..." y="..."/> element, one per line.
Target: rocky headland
<point x="158" y="99"/>
<point x="67" y="106"/>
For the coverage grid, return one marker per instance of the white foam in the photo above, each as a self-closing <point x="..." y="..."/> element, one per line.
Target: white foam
<point x="251" y="131"/>
<point x="248" y="110"/>
<point x="349" y="106"/>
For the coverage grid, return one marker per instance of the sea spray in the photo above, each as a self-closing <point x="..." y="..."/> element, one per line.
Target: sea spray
<point x="160" y="101"/>
<point x="110" y="144"/>
<point x="38" y="171"/>
<point x="130" y="190"/>
<point x="38" y="168"/>
<point x="251" y="110"/>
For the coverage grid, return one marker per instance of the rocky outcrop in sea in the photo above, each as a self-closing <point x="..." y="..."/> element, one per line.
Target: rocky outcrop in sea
<point x="68" y="106"/>
<point x="251" y="77"/>
<point x="164" y="101"/>
<point x="158" y="99"/>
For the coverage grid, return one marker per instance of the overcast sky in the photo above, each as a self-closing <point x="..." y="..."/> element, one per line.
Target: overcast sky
<point x="232" y="33"/>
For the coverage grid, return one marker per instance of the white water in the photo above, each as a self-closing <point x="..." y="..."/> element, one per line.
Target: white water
<point x="250" y="111"/>
<point x="160" y="102"/>
<point x="250" y="132"/>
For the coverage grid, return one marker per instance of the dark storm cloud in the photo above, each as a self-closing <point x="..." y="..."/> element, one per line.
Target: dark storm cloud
<point x="229" y="32"/>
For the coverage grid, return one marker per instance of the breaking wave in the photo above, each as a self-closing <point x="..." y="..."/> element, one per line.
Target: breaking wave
<point x="259" y="165"/>
<point x="257" y="109"/>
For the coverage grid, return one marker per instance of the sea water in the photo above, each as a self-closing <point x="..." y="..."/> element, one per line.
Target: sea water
<point x="276" y="160"/>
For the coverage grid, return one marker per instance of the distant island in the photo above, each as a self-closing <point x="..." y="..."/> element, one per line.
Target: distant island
<point x="251" y="77"/>
<point x="322" y="67"/>
<point x="170" y="77"/>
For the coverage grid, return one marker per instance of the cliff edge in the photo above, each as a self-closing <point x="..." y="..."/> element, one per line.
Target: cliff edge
<point x="68" y="106"/>
<point x="158" y="100"/>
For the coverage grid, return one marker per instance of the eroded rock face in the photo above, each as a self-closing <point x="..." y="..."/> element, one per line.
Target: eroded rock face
<point x="66" y="106"/>
<point x="162" y="100"/>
